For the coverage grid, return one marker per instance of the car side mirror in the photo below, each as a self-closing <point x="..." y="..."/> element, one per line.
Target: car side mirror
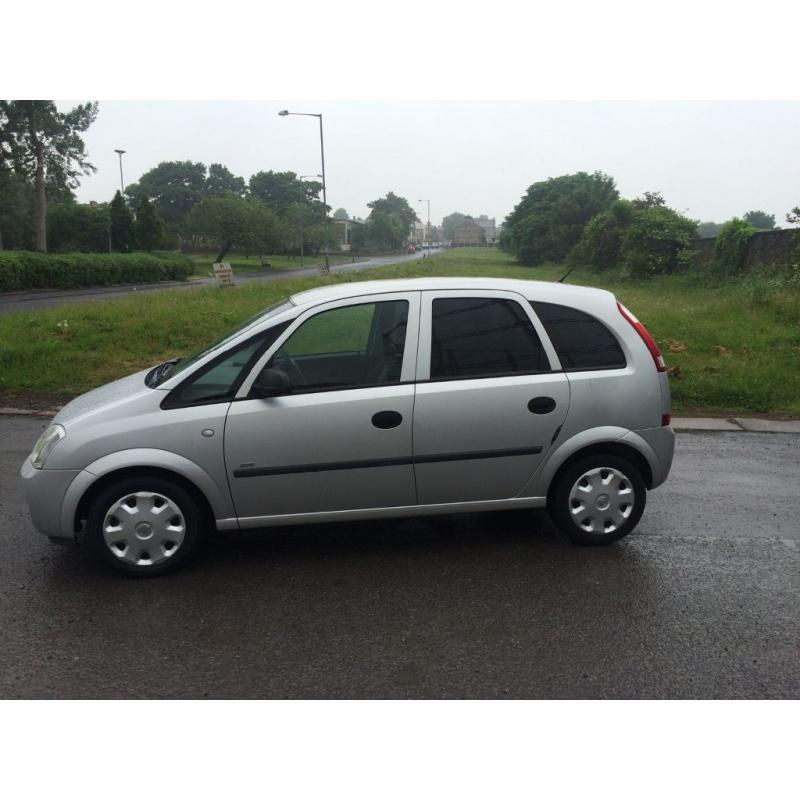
<point x="271" y="383"/>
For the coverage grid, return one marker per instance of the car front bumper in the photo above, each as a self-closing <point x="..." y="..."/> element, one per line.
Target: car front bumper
<point x="44" y="491"/>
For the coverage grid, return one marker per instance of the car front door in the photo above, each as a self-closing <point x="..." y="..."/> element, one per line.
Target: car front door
<point x="490" y="396"/>
<point x="341" y="440"/>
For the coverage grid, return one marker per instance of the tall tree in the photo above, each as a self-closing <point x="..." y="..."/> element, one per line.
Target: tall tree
<point x="44" y="144"/>
<point x="279" y="190"/>
<point x="174" y="188"/>
<point x="388" y="225"/>
<point x="123" y="237"/>
<point x="760" y="220"/>
<point x="149" y="226"/>
<point x="548" y="221"/>
<point x="222" y="181"/>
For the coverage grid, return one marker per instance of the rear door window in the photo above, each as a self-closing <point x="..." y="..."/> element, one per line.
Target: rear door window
<point x="474" y="337"/>
<point x="581" y="341"/>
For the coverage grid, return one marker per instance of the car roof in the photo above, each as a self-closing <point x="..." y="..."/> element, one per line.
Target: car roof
<point x="546" y="291"/>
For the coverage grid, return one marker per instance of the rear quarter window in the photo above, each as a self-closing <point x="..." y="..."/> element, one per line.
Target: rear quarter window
<point x="581" y="341"/>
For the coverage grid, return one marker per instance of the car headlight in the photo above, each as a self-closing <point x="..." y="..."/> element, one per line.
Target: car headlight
<point x="47" y="441"/>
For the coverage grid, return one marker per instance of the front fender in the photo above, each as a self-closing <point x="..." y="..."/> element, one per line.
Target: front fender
<point x="218" y="497"/>
<point x="539" y="484"/>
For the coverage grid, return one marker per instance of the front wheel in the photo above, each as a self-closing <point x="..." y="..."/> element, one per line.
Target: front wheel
<point x="144" y="526"/>
<point x="597" y="499"/>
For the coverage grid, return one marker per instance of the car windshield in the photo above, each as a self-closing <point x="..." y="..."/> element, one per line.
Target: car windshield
<point x="169" y="369"/>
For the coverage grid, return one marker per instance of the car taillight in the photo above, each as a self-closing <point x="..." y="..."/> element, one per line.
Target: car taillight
<point x="645" y="336"/>
<point x="666" y="419"/>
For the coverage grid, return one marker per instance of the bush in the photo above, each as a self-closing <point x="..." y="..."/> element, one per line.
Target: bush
<point x="600" y="245"/>
<point x="656" y="241"/>
<point x="730" y="249"/>
<point x="21" y="270"/>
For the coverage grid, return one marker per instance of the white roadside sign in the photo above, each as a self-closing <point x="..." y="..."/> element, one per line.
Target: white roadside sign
<point x="224" y="273"/>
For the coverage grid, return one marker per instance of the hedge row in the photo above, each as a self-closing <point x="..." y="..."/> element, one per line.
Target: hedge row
<point x="25" y="270"/>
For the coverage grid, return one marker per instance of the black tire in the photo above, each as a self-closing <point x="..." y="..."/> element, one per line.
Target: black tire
<point x="190" y="515"/>
<point x="560" y="505"/>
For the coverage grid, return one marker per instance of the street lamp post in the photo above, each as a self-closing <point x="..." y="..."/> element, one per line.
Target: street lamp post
<point x="327" y="268"/>
<point x="429" y="224"/>
<point x="121" y="182"/>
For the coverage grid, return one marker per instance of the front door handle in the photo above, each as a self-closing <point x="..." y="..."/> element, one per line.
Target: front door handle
<point x="541" y="405"/>
<point x="386" y="419"/>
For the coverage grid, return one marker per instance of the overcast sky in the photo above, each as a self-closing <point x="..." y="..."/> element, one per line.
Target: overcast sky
<point x="713" y="160"/>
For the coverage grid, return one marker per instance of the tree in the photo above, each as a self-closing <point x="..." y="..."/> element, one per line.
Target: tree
<point x="232" y="222"/>
<point x="340" y="213"/>
<point x="730" y="249"/>
<point x="222" y="181"/>
<point x="600" y="245"/>
<point x="388" y="224"/>
<point x="44" y="144"/>
<point x="77" y="227"/>
<point x="174" y="188"/>
<point x="793" y="216"/>
<point x="16" y="211"/>
<point x="149" y="226"/>
<point x="278" y="190"/>
<point x="656" y="241"/>
<point x="450" y="223"/>
<point x="649" y="200"/>
<point x="303" y="226"/>
<point x="123" y="234"/>
<point x="760" y="220"/>
<point x="548" y="221"/>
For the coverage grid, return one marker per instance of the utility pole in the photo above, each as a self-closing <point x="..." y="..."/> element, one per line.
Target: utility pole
<point x="121" y="182"/>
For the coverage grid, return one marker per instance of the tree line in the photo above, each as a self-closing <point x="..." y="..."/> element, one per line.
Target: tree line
<point x="581" y="220"/>
<point x="174" y="204"/>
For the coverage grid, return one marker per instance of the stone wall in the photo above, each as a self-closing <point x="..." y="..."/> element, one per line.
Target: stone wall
<point x="764" y="247"/>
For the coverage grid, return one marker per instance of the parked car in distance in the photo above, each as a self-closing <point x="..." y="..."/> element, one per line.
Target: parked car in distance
<point x="363" y="401"/>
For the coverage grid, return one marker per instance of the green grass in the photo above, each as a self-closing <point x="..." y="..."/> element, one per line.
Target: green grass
<point x="203" y="263"/>
<point x="732" y="348"/>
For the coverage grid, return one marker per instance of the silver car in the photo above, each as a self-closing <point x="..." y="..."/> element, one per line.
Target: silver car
<point x="365" y="401"/>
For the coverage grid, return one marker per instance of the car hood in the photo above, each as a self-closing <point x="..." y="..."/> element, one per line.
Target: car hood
<point x="105" y="398"/>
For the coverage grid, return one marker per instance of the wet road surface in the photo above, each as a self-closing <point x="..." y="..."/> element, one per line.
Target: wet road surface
<point x="703" y="600"/>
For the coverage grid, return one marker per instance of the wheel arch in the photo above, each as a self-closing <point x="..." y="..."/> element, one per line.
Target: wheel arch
<point x="214" y="503"/>
<point x="591" y="442"/>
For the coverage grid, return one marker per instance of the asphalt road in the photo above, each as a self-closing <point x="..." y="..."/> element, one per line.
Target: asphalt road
<point x="32" y="301"/>
<point x="703" y="600"/>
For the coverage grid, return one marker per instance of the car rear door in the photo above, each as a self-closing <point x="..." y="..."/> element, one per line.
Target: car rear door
<point x="490" y="396"/>
<point x="342" y="439"/>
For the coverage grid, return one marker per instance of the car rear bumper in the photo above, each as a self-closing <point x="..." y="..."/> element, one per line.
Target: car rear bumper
<point x="44" y="491"/>
<point x="662" y="444"/>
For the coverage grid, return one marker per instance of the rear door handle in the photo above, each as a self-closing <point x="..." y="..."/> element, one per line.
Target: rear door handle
<point x="387" y="419"/>
<point x="541" y="405"/>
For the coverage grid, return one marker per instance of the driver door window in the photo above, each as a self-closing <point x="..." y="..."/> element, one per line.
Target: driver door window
<point x="346" y="347"/>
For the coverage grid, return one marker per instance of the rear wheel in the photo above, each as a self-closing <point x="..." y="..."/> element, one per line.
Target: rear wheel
<point x="144" y="526"/>
<point x="598" y="499"/>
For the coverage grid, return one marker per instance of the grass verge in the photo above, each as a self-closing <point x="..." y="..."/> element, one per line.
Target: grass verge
<point x="732" y="348"/>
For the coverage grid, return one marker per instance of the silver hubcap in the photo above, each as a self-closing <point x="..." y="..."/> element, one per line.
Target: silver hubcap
<point x="601" y="500"/>
<point x="144" y="528"/>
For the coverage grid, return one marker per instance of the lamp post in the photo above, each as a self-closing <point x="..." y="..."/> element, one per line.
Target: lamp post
<point x="429" y="224"/>
<point x="121" y="182"/>
<point x="327" y="268"/>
